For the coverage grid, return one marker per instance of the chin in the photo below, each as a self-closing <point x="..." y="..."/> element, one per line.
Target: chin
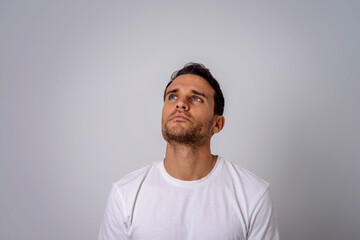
<point x="177" y="131"/>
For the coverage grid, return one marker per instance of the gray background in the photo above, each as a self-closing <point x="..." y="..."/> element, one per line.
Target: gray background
<point x="81" y="87"/>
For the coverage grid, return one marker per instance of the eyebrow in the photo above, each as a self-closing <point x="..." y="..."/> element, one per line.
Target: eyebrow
<point x="172" y="91"/>
<point x="199" y="93"/>
<point x="193" y="91"/>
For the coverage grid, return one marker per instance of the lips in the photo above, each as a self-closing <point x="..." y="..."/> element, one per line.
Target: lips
<point x="179" y="117"/>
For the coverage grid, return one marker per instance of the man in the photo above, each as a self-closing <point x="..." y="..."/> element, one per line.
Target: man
<point x="191" y="194"/>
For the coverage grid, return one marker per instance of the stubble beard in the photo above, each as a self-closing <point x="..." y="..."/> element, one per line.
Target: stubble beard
<point x="180" y="136"/>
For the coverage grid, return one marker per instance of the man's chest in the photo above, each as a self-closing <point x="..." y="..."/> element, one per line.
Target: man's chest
<point x="187" y="214"/>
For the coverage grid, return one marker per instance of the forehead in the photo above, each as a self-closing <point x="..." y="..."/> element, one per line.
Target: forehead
<point x="192" y="82"/>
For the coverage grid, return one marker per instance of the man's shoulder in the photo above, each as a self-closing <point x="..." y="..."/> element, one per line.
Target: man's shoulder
<point x="245" y="179"/>
<point x="135" y="177"/>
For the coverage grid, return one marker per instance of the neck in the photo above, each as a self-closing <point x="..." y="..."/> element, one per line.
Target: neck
<point x="187" y="162"/>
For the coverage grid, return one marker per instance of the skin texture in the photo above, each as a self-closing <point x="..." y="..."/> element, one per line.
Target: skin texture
<point x="188" y="123"/>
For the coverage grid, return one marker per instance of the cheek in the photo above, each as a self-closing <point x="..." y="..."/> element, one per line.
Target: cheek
<point x="210" y="117"/>
<point x="205" y="117"/>
<point x="165" y="112"/>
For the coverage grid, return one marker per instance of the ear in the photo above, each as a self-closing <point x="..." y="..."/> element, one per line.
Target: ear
<point x="219" y="122"/>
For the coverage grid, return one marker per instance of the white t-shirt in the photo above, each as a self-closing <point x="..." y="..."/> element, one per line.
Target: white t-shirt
<point x="229" y="203"/>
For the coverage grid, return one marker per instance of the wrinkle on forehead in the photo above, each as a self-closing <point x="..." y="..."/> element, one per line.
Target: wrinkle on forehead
<point x="192" y="91"/>
<point x="191" y="83"/>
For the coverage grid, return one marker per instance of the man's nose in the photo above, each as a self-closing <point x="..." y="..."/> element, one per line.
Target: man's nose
<point x="182" y="105"/>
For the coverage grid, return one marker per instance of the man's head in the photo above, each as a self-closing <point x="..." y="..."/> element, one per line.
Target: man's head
<point x="193" y="107"/>
<point x="200" y="70"/>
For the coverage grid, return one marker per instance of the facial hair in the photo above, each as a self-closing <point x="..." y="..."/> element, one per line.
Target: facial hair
<point x="191" y="136"/>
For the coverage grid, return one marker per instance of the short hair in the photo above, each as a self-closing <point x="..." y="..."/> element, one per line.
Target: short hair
<point x="200" y="70"/>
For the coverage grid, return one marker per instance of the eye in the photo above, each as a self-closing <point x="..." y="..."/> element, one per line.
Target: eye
<point x="172" y="97"/>
<point x="196" y="99"/>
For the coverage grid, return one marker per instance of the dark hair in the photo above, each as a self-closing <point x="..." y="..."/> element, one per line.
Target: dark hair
<point x="200" y="70"/>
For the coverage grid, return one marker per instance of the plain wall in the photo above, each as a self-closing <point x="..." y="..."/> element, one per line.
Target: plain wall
<point x="81" y="86"/>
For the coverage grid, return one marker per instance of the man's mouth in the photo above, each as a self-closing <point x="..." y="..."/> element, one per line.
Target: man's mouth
<point x="179" y="117"/>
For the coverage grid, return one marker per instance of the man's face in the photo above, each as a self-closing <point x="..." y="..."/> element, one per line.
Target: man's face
<point x="188" y="112"/>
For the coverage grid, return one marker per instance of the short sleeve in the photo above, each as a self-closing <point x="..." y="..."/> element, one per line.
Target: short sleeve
<point x="263" y="221"/>
<point x="113" y="226"/>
